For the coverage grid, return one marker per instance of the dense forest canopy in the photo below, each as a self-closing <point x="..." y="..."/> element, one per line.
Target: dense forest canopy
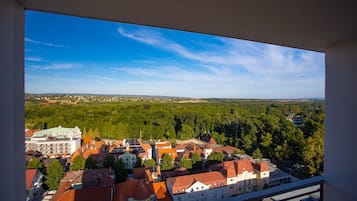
<point x="258" y="127"/>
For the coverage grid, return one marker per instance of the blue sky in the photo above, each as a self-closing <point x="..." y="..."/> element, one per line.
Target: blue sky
<point x="76" y="55"/>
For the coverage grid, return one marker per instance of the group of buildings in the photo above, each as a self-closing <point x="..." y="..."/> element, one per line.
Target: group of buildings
<point x="236" y="175"/>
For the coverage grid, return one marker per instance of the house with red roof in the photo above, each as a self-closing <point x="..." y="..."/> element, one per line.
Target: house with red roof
<point x="101" y="193"/>
<point x="33" y="182"/>
<point x="202" y="186"/>
<point x="134" y="189"/>
<point x="78" y="185"/>
<point x="243" y="175"/>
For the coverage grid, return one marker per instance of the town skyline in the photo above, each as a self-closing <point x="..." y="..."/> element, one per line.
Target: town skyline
<point x="74" y="55"/>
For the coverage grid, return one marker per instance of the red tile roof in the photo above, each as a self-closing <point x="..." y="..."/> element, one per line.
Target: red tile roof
<point x="139" y="173"/>
<point x="245" y="165"/>
<point x="103" y="193"/>
<point x="261" y="166"/>
<point x="161" y="192"/>
<point x="212" y="141"/>
<point x="179" y="184"/>
<point x="135" y="188"/>
<point x="171" y="152"/>
<point x="30" y="175"/>
<point x="233" y="168"/>
<point x="227" y="149"/>
<point x="91" y="177"/>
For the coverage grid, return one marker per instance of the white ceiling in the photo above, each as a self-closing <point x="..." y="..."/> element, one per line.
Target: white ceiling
<point x="307" y="24"/>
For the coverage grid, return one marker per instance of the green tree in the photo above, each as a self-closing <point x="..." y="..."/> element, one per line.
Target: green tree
<point x="121" y="173"/>
<point x="186" y="132"/>
<point x="167" y="163"/>
<point x="54" y="174"/>
<point x="78" y="163"/>
<point x="186" y="163"/>
<point x="266" y="140"/>
<point x="257" y="154"/>
<point x="109" y="161"/>
<point x="313" y="154"/>
<point x="139" y="162"/>
<point x="215" y="157"/>
<point x="195" y="157"/>
<point x="150" y="163"/>
<point x="90" y="163"/>
<point x="34" y="163"/>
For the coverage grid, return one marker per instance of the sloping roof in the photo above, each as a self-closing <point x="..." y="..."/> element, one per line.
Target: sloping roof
<point x="227" y="149"/>
<point x="30" y="175"/>
<point x="172" y="153"/>
<point x="139" y="173"/>
<point x="134" y="188"/>
<point x="162" y="144"/>
<point x="261" y="166"/>
<point x="212" y="141"/>
<point x="161" y="191"/>
<point x="90" y="177"/>
<point x="245" y="165"/>
<point x="214" y="179"/>
<point x="102" y="193"/>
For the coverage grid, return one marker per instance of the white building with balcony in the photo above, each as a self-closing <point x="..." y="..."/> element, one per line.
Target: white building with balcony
<point x="55" y="142"/>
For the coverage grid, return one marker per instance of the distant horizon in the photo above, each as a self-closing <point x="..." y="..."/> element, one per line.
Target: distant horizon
<point x="74" y="55"/>
<point x="161" y="96"/>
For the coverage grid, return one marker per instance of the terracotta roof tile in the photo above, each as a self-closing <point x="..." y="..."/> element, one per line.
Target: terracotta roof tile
<point x="214" y="179"/>
<point x="245" y="165"/>
<point x="103" y="193"/>
<point x="161" y="191"/>
<point x="136" y="189"/>
<point x="261" y="166"/>
<point x="139" y="173"/>
<point x="212" y="141"/>
<point x="172" y="153"/>
<point x="30" y="175"/>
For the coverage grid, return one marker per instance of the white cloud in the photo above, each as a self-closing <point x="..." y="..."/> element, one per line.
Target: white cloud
<point x="258" y="60"/>
<point x="33" y="59"/>
<point x="57" y="66"/>
<point x="49" y="44"/>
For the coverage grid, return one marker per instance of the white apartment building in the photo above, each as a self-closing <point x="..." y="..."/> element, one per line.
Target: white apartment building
<point x="55" y="142"/>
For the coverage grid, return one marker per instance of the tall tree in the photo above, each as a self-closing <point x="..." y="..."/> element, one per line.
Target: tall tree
<point x="195" y="157"/>
<point x="109" y="161"/>
<point x="257" y="154"/>
<point x="90" y="163"/>
<point x="313" y="154"/>
<point x="139" y="162"/>
<point x="121" y="173"/>
<point x="34" y="163"/>
<point x="54" y="174"/>
<point x="167" y="162"/>
<point x="78" y="163"/>
<point x="150" y="163"/>
<point x="186" y="163"/>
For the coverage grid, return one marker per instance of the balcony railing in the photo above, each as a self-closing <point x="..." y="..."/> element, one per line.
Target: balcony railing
<point x="286" y="192"/>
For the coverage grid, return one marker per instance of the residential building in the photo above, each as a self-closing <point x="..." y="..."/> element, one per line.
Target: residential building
<point x="133" y="146"/>
<point x="90" y="184"/>
<point x="243" y="176"/>
<point x="128" y="159"/>
<point x="33" y="183"/>
<point x="97" y="150"/>
<point x="55" y="142"/>
<point x="134" y="189"/>
<point x="203" y="186"/>
<point x="161" y="192"/>
<point x="162" y="147"/>
<point x="102" y="193"/>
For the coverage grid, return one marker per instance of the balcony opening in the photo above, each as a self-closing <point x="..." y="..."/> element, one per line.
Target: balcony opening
<point x="117" y="81"/>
